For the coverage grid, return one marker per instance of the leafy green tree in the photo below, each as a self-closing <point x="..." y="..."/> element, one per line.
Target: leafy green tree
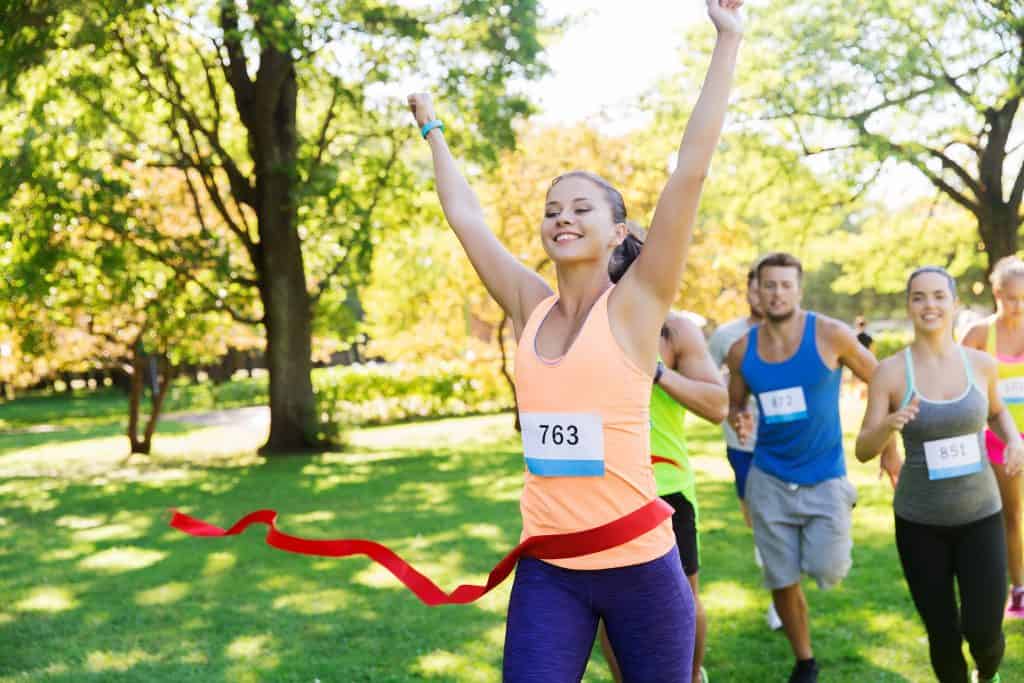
<point x="935" y="85"/>
<point x="283" y="118"/>
<point x="99" y="302"/>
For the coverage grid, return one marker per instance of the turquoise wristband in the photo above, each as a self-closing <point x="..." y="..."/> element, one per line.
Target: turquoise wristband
<point x="431" y="125"/>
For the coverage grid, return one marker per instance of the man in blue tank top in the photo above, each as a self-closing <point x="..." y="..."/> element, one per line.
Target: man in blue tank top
<point x="799" y="498"/>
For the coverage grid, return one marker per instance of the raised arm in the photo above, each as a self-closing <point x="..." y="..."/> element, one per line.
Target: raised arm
<point x="516" y="288"/>
<point x="690" y="376"/>
<point x="654" y="278"/>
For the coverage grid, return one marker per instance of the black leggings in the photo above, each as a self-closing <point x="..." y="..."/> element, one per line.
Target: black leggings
<point x="975" y="554"/>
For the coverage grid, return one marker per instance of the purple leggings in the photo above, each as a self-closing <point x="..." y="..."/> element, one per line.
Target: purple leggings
<point x="553" y="613"/>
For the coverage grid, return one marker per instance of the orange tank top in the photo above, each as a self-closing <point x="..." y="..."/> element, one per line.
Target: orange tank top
<point x="586" y="439"/>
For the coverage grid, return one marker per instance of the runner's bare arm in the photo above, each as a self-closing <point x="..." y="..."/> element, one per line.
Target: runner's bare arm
<point x="881" y="422"/>
<point x="516" y="288"/>
<point x="651" y="284"/>
<point x="740" y="418"/>
<point x="693" y="380"/>
<point x="999" y="419"/>
<point x="848" y="350"/>
<point x="977" y="335"/>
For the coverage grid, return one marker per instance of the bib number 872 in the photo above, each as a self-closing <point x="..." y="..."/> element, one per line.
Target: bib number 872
<point x="559" y="434"/>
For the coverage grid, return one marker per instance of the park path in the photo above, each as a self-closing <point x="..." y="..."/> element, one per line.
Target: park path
<point x="252" y="417"/>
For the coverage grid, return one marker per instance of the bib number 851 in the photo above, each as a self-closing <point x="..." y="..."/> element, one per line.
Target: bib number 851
<point x="953" y="457"/>
<point x="953" y="450"/>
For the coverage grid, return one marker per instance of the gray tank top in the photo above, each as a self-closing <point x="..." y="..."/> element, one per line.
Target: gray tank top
<point x="946" y="479"/>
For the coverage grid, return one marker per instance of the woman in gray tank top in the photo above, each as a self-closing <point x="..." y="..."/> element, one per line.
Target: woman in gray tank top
<point x="949" y="527"/>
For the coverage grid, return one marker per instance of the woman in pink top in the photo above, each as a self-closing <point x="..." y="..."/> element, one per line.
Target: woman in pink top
<point x="584" y="365"/>
<point x="1002" y="336"/>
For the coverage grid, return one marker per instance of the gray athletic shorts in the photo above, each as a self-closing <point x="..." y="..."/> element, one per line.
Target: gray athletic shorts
<point x="801" y="528"/>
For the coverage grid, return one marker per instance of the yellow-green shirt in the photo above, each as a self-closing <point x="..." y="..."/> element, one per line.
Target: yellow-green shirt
<point x="668" y="439"/>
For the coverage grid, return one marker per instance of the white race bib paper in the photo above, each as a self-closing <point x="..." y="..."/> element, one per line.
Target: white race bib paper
<point x="783" y="405"/>
<point x="563" y="444"/>
<point x="954" y="457"/>
<point x="1011" y="390"/>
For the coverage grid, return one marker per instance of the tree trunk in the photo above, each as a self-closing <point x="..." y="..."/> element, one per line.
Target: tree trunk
<point x="161" y="379"/>
<point x="998" y="230"/>
<point x="286" y="300"/>
<point x="135" y="396"/>
<point x="163" y="383"/>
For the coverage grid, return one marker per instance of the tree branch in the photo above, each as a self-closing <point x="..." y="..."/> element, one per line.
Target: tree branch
<point x="322" y="140"/>
<point x="182" y="270"/>
<point x="236" y="69"/>
<point x="367" y="216"/>
<point x="959" y="170"/>
<point x="326" y="280"/>
<point x="1017" y="193"/>
<point x="206" y="174"/>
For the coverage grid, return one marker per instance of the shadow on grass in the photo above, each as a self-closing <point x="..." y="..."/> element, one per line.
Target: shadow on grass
<point x="102" y="589"/>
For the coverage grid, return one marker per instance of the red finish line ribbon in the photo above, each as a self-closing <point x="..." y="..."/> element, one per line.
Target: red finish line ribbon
<point x="545" y="547"/>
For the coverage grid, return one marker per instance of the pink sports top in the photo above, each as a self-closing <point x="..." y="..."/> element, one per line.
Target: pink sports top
<point x="586" y="426"/>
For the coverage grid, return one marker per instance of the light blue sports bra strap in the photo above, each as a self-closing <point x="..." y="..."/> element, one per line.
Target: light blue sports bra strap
<point x="911" y="388"/>
<point x="967" y="367"/>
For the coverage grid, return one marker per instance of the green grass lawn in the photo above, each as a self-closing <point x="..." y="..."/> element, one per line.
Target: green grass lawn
<point x="97" y="588"/>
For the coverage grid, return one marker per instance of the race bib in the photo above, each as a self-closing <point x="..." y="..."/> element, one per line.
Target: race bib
<point x="783" y="405"/>
<point x="1011" y="390"/>
<point x="563" y="444"/>
<point x="954" y="457"/>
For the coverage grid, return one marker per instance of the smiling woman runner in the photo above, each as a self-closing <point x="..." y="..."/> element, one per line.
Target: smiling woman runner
<point x="948" y="515"/>
<point x="1002" y="336"/>
<point x="584" y="366"/>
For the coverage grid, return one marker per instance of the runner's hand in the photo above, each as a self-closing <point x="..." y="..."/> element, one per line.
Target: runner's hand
<point x="1014" y="455"/>
<point x="742" y="423"/>
<point x="725" y="15"/>
<point x="891" y="463"/>
<point x="422" y="108"/>
<point x="898" y="420"/>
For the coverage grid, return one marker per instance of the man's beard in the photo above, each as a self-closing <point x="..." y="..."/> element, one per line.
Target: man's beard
<point x="780" y="317"/>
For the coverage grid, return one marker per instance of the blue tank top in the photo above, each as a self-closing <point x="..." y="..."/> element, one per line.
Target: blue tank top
<point x="799" y="437"/>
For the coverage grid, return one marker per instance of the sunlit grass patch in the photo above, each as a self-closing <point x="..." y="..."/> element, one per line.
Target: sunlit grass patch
<point x="314" y="602"/>
<point x="98" y="662"/>
<point x="47" y="599"/>
<point x="167" y="594"/>
<point x="218" y="563"/>
<point x="121" y="559"/>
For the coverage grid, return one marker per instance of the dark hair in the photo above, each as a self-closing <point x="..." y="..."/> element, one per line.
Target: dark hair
<point x="780" y="259"/>
<point x="938" y="270"/>
<point x="624" y="254"/>
<point x="613" y="196"/>
<point x="623" y="257"/>
<point x="752" y="274"/>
